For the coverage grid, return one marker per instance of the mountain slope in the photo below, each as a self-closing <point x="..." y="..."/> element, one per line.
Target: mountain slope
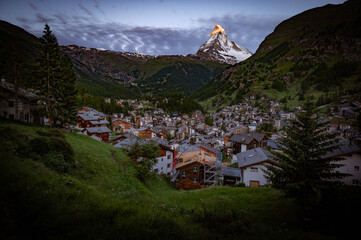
<point x="220" y="48"/>
<point x="167" y="75"/>
<point x="312" y="53"/>
<point x="112" y="74"/>
<point x="17" y="45"/>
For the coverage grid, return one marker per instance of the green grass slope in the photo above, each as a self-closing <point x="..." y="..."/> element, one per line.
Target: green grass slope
<point x="68" y="186"/>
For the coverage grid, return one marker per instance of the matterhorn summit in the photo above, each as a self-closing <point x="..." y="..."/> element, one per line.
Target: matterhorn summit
<point x="220" y="48"/>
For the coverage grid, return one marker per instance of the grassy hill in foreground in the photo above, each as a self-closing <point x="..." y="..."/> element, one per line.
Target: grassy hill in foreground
<point x="58" y="193"/>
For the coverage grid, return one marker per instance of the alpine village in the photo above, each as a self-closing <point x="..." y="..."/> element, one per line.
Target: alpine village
<point x="218" y="144"/>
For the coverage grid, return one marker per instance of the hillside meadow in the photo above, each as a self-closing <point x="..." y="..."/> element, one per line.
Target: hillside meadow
<point x="59" y="185"/>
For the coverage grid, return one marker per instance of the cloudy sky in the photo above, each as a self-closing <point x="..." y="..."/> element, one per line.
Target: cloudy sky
<point x="156" y="27"/>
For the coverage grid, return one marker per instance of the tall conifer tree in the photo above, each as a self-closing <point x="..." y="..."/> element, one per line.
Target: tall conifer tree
<point x="303" y="170"/>
<point x="57" y="80"/>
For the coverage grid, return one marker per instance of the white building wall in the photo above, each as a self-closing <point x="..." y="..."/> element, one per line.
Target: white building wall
<point x="250" y="174"/>
<point x="163" y="162"/>
<point x="243" y="148"/>
<point x="352" y="165"/>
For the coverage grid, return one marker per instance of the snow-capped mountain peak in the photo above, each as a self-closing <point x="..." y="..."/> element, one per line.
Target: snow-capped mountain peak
<point x="218" y="29"/>
<point x="220" y="48"/>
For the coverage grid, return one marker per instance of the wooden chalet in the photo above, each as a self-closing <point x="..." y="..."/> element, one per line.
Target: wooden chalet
<point x="194" y="163"/>
<point x="247" y="141"/>
<point x="120" y="125"/>
<point x="101" y="132"/>
<point x="192" y="170"/>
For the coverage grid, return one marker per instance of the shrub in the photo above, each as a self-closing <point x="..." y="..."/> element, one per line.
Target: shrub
<point x="56" y="162"/>
<point x="53" y="150"/>
<point x="52" y="132"/>
<point x="241" y="184"/>
<point x="60" y="145"/>
<point x="40" y="146"/>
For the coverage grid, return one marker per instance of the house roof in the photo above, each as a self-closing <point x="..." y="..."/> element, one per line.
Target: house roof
<point x="253" y="156"/>
<point x="89" y="116"/>
<point x="246" y="138"/>
<point x="96" y="122"/>
<point x="343" y="149"/>
<point x="229" y="171"/>
<point x="28" y="94"/>
<point x="119" y="119"/>
<point x="92" y="110"/>
<point x="98" y="130"/>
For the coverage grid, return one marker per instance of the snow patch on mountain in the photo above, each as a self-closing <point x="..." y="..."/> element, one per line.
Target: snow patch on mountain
<point x="220" y="48"/>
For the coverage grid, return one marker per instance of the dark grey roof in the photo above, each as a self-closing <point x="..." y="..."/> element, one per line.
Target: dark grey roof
<point x="94" y="111"/>
<point x="343" y="149"/>
<point x="273" y="144"/>
<point x="98" y="130"/>
<point x="229" y="171"/>
<point x="246" y="138"/>
<point x="89" y="116"/>
<point x="96" y="122"/>
<point x="253" y="156"/>
<point x="29" y="93"/>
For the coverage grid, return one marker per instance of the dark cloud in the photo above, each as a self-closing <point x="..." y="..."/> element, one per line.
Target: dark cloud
<point x="87" y="11"/>
<point x="86" y="30"/>
<point x="22" y="20"/>
<point x="97" y="6"/>
<point x="40" y="18"/>
<point x="61" y="19"/>
<point x="33" y="6"/>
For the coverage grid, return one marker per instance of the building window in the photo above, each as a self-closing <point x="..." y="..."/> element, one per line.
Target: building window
<point x="356" y="168"/>
<point x="168" y="157"/>
<point x="194" y="179"/>
<point x="168" y="165"/>
<point x="11" y="104"/>
<point x="11" y="116"/>
<point x="355" y="182"/>
<point x="195" y="169"/>
<point x="155" y="170"/>
<point x="254" y="169"/>
<point x="184" y="173"/>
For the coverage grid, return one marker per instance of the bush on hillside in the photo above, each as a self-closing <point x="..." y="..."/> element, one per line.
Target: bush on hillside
<point x="52" y="149"/>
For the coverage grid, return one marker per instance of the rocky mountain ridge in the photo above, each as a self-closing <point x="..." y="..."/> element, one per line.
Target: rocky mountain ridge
<point x="220" y="48"/>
